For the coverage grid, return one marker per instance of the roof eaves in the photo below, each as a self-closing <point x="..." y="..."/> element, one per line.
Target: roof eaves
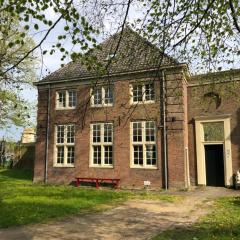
<point x="91" y="77"/>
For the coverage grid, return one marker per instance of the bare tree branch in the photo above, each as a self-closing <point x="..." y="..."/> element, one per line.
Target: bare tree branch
<point x="235" y="21"/>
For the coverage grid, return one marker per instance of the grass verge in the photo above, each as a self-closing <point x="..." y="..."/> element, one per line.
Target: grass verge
<point x="222" y="224"/>
<point x="22" y="202"/>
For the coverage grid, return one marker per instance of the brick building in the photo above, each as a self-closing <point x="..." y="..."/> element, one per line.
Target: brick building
<point x="144" y="119"/>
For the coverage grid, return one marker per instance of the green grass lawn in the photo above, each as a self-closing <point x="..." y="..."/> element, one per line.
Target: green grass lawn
<point x="22" y="202"/>
<point x="222" y="224"/>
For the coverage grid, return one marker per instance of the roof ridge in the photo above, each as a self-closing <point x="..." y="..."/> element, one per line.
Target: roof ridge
<point x="144" y="55"/>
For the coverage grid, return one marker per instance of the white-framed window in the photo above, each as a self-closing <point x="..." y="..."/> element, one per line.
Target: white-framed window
<point x="101" y="150"/>
<point x="143" y="144"/>
<point x="66" y="99"/>
<point x="102" y="96"/>
<point x="142" y="92"/>
<point x="64" y="145"/>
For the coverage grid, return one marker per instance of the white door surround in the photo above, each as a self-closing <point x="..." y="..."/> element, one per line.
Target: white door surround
<point x="200" y="150"/>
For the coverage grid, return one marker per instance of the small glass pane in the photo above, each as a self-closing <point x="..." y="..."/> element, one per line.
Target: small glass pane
<point x="108" y="159"/>
<point x="137" y="93"/>
<point x="137" y="132"/>
<point x="151" y="155"/>
<point x="150" y="131"/>
<point x="108" y="95"/>
<point x="138" y="155"/>
<point x="61" y="101"/>
<point x="60" y="155"/>
<point x="70" y="155"/>
<point x="96" y="154"/>
<point x="70" y="134"/>
<point x="108" y="132"/>
<point x="72" y="98"/>
<point x="149" y="92"/>
<point x="213" y="131"/>
<point x="97" y="96"/>
<point x="60" y="134"/>
<point x="96" y="133"/>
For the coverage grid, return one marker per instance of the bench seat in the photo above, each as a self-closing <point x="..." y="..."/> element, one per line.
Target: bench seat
<point x="114" y="181"/>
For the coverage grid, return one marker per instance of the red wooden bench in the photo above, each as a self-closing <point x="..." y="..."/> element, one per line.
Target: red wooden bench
<point x="114" y="181"/>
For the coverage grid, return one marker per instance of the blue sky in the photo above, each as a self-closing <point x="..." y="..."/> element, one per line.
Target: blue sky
<point x="53" y="62"/>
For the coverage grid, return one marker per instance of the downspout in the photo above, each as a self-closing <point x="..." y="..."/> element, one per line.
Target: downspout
<point x="47" y="136"/>
<point x="164" y="130"/>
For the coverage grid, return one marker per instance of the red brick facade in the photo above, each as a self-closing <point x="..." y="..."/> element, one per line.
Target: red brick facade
<point x="227" y="85"/>
<point x="184" y="102"/>
<point x="121" y="114"/>
<point x="183" y="97"/>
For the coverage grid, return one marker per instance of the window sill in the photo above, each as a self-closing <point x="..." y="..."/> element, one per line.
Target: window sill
<point x="143" y="102"/>
<point x="66" y="108"/>
<point x="144" y="167"/>
<point x="101" y="106"/>
<point x="63" y="166"/>
<point x="101" y="166"/>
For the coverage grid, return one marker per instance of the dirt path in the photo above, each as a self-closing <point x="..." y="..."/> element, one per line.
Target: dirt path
<point x="138" y="219"/>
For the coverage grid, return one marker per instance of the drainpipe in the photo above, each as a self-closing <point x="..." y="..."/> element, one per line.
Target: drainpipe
<point x="47" y="136"/>
<point x="164" y="130"/>
<point x="187" y="176"/>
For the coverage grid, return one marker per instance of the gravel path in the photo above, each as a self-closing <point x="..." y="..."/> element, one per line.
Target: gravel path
<point x="138" y="219"/>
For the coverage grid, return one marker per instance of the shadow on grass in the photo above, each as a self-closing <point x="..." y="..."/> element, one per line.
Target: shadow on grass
<point x="25" y="210"/>
<point x="15" y="174"/>
<point x="211" y="232"/>
<point x="222" y="224"/>
<point x="22" y="203"/>
<point x="236" y="201"/>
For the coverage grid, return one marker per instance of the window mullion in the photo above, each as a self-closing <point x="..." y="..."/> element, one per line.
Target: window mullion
<point x="55" y="148"/>
<point x="67" y="99"/>
<point x="144" y="142"/>
<point x="103" y="95"/>
<point x="91" y="97"/>
<point x="143" y="92"/>
<point x="102" y="133"/>
<point x="102" y="155"/>
<point x="65" y="143"/>
<point x="131" y="141"/>
<point x="57" y="99"/>
<point x="65" y="155"/>
<point x="144" y="155"/>
<point x="131" y="94"/>
<point x="102" y="142"/>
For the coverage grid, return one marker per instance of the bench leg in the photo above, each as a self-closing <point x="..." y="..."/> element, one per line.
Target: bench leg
<point x="97" y="184"/>
<point x="116" y="183"/>
<point x="78" y="183"/>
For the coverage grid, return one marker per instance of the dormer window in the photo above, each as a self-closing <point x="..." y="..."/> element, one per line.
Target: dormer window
<point x="66" y="99"/>
<point x="143" y="92"/>
<point x="110" y="56"/>
<point x="102" y="96"/>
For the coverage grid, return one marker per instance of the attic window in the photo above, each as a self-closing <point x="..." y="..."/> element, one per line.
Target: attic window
<point x="66" y="99"/>
<point x="102" y="96"/>
<point x="143" y="92"/>
<point x="212" y="100"/>
<point x="110" y="56"/>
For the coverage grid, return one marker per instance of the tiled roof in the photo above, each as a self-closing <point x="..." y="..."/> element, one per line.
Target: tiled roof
<point x="134" y="53"/>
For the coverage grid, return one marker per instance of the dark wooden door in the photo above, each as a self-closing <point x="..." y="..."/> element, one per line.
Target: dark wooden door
<point x="214" y="165"/>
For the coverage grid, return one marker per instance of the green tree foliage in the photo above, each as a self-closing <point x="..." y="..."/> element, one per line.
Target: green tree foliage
<point x="13" y="110"/>
<point x="205" y="32"/>
<point x="14" y="44"/>
<point x="34" y="16"/>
